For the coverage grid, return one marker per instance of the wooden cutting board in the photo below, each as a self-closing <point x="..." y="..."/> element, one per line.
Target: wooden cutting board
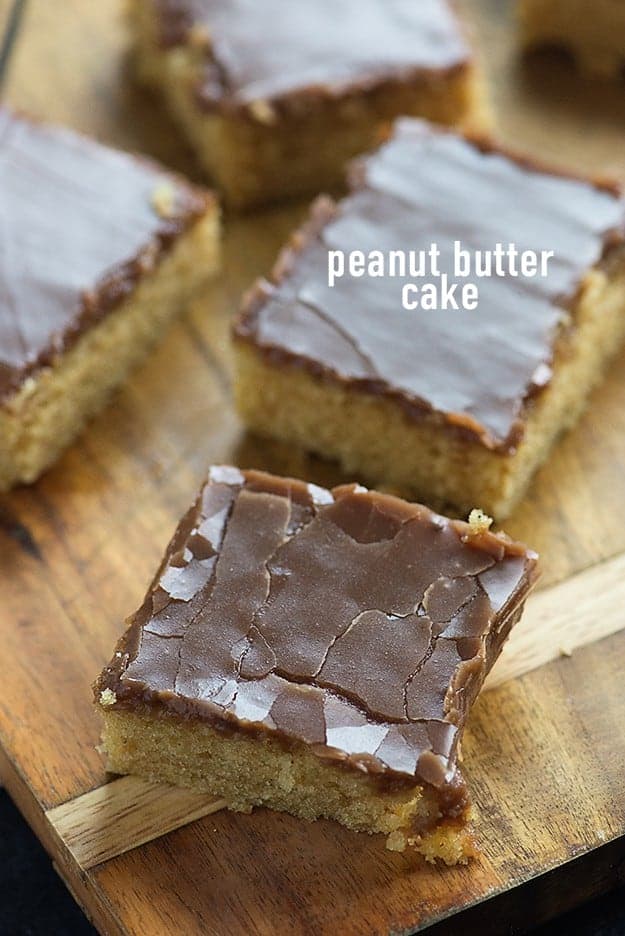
<point x="545" y="752"/>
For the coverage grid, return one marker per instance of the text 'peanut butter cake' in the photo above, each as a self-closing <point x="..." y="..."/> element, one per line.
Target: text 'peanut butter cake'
<point x="317" y="652"/>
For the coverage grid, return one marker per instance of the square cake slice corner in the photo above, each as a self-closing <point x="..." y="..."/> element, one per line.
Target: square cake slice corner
<point x="316" y="651"/>
<point x="593" y="31"/>
<point x="98" y="252"/>
<point x="454" y="407"/>
<point x="276" y="97"/>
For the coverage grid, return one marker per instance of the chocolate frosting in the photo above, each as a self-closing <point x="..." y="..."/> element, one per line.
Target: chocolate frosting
<point x="78" y="228"/>
<point x="348" y="620"/>
<point x="270" y="50"/>
<point x="478" y="369"/>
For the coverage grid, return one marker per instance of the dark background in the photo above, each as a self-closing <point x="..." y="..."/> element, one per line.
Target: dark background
<point x="34" y="902"/>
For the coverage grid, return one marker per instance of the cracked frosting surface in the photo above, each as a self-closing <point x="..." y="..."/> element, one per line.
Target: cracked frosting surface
<point x="270" y="50"/>
<point x="476" y="368"/>
<point x="79" y="226"/>
<point x="348" y="620"/>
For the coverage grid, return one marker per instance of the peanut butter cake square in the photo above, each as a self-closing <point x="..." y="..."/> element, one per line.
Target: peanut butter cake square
<point x="276" y="96"/>
<point x="98" y="251"/>
<point x="592" y="30"/>
<point x="452" y="406"/>
<point x="316" y="652"/>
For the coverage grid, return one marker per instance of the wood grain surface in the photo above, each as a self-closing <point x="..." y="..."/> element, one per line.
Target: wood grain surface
<point x="124" y="814"/>
<point x="545" y="753"/>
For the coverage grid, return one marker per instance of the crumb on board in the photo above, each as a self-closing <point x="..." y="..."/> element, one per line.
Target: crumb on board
<point x="566" y="651"/>
<point x="479" y="521"/>
<point x="164" y="200"/>
<point x="107" y="697"/>
<point x="396" y="841"/>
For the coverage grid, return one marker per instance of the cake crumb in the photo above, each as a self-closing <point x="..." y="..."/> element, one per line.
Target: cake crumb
<point x="164" y="200"/>
<point x="566" y="651"/>
<point x="262" y="111"/>
<point x="199" y="37"/>
<point x="107" y="697"/>
<point x="396" y="841"/>
<point x="479" y="521"/>
<point x="29" y="386"/>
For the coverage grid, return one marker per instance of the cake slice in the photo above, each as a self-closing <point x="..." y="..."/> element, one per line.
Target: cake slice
<point x="592" y="30"/>
<point x="275" y="96"/>
<point x="453" y="406"/>
<point x="316" y="652"/>
<point x="98" y="251"/>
